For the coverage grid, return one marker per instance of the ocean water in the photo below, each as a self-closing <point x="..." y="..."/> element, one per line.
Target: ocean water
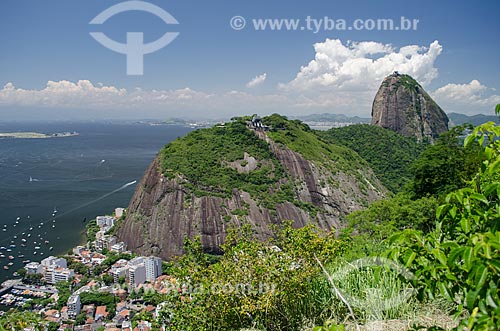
<point x="81" y="177"/>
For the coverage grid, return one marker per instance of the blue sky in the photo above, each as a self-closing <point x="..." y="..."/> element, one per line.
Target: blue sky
<point x="206" y="70"/>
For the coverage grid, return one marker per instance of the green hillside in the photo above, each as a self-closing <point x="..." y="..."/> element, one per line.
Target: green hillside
<point x="388" y="153"/>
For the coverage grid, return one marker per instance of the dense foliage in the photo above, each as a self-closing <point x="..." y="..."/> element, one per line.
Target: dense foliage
<point x="388" y="153"/>
<point x="255" y="284"/>
<point x="444" y="166"/>
<point x="203" y="159"/>
<point x="300" y="138"/>
<point x="460" y="259"/>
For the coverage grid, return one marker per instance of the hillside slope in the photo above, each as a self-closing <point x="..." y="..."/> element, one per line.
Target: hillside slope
<point x="388" y="153"/>
<point x="227" y="176"/>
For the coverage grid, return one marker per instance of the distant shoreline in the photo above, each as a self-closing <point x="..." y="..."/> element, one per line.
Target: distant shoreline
<point x="36" y="135"/>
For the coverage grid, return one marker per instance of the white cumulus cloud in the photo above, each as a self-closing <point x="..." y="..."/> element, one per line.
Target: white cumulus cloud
<point x="257" y="80"/>
<point x="363" y="65"/>
<point x="470" y="98"/>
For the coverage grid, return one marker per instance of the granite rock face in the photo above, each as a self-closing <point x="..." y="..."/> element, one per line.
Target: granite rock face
<point x="402" y="105"/>
<point x="163" y="212"/>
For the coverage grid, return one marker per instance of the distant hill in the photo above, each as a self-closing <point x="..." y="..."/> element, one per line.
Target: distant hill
<point x="326" y="117"/>
<point x="389" y="153"/>
<point x="459" y="119"/>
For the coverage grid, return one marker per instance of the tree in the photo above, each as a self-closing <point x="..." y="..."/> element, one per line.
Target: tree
<point x="444" y="166"/>
<point x="21" y="272"/>
<point x="52" y="326"/>
<point x="107" y="279"/>
<point x="460" y="259"/>
<point x="81" y="318"/>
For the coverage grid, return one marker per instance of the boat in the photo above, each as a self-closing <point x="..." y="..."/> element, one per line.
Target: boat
<point x="46" y="241"/>
<point x="6" y="267"/>
<point x="37" y="247"/>
<point x="26" y="261"/>
<point x="11" y="257"/>
<point x="18" y="218"/>
<point x="31" y="228"/>
<point x="34" y="253"/>
<point x="10" y="264"/>
<point x="12" y="246"/>
<point x="55" y="210"/>
<point x="4" y="229"/>
<point x="1" y="255"/>
<point x="53" y="225"/>
<point x="51" y="248"/>
<point x="8" y="250"/>
<point x="20" y="256"/>
<point x="23" y="240"/>
<point x="41" y="223"/>
<point x="41" y="253"/>
<point x="23" y="245"/>
<point x="15" y="237"/>
<point x="2" y="248"/>
<point x="29" y="235"/>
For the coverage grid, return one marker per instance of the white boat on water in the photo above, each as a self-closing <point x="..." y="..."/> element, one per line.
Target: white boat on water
<point x="51" y="248"/>
<point x="53" y="225"/>
<point x="17" y="219"/>
<point x="37" y="247"/>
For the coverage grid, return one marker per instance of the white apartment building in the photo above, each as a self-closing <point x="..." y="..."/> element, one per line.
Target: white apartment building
<point x="53" y="261"/>
<point x="136" y="275"/>
<point x="57" y="274"/>
<point x="153" y="268"/>
<point x="74" y="305"/>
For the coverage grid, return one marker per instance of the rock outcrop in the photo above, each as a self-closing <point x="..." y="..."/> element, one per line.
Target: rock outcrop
<point x="402" y="105"/>
<point x="164" y="211"/>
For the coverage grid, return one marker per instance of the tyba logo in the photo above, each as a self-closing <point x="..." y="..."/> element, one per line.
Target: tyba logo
<point x="134" y="48"/>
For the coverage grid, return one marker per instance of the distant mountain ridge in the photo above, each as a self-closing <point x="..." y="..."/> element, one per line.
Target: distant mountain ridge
<point x="327" y="117"/>
<point x="459" y="119"/>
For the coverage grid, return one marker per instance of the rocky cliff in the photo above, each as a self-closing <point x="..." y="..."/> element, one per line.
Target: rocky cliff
<point x="402" y="105"/>
<point x="231" y="175"/>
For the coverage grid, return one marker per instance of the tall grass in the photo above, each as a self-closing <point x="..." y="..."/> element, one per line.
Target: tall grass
<point x="374" y="293"/>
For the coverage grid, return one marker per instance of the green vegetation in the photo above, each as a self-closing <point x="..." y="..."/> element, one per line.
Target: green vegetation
<point x="264" y="285"/>
<point x="92" y="229"/>
<point x="100" y="299"/>
<point x="459" y="260"/>
<point x="203" y="159"/>
<point x="444" y="166"/>
<point x="388" y="153"/>
<point x="300" y="138"/>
